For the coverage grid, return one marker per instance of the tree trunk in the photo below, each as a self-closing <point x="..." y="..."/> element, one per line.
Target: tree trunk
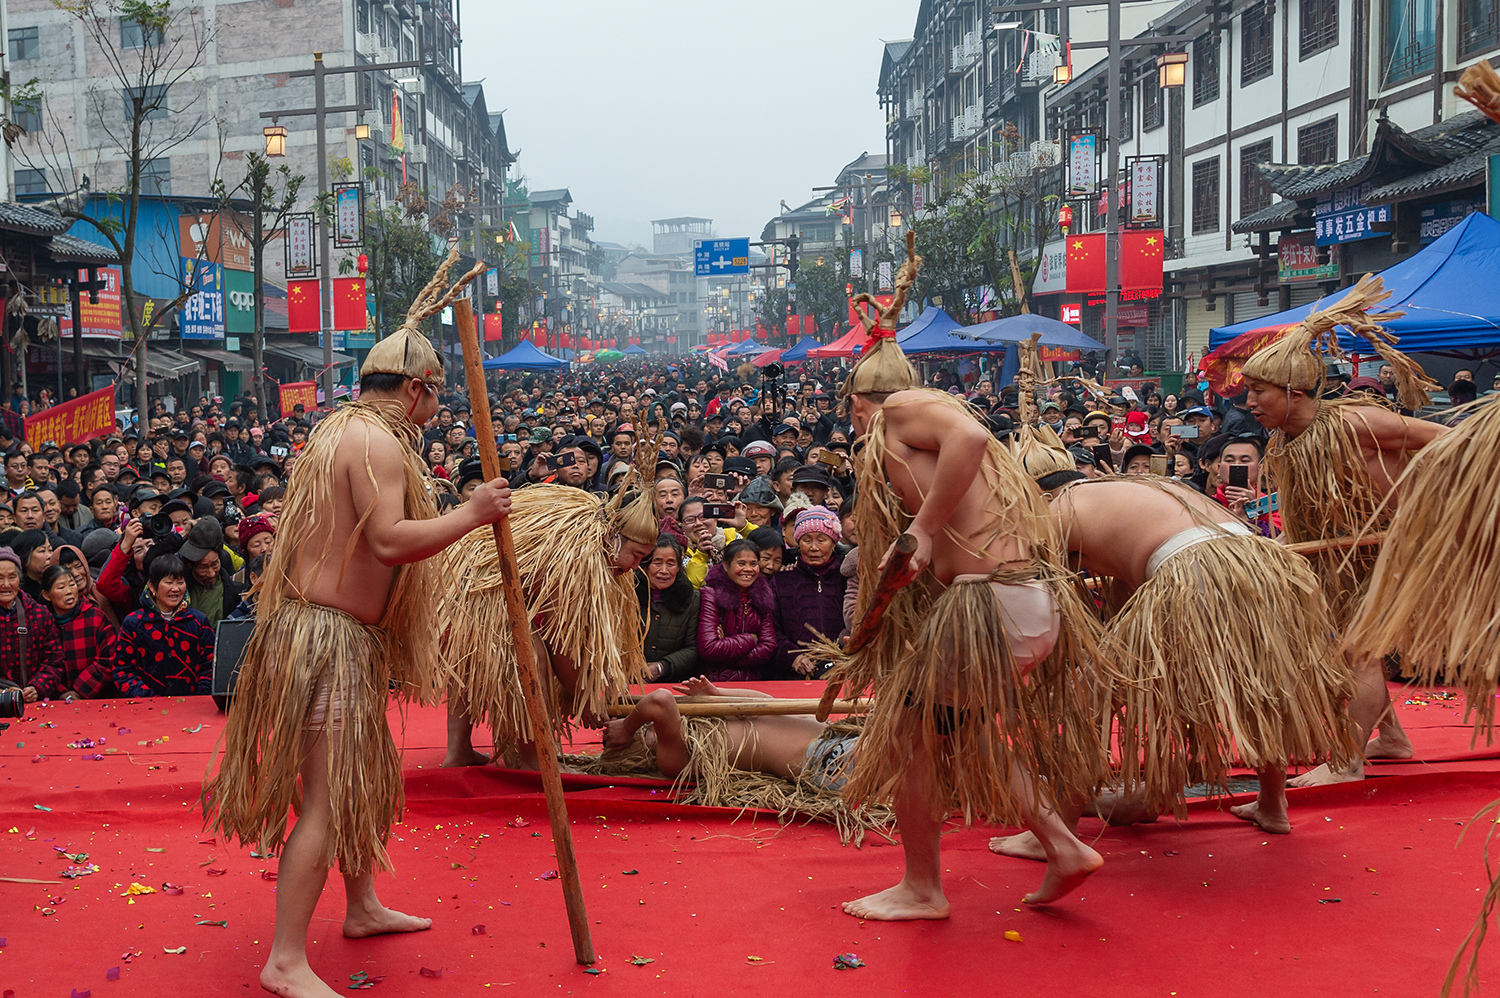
<point x="258" y="340"/>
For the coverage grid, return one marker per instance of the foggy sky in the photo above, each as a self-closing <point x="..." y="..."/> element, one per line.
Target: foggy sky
<point x="657" y="108"/>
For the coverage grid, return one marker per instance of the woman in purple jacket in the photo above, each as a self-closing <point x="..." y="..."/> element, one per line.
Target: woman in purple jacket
<point x="736" y="629"/>
<point x="809" y="595"/>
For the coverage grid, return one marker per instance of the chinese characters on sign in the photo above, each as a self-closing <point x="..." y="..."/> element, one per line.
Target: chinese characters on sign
<point x="856" y="263"/>
<point x="202" y="315"/>
<point x="1439" y="218"/>
<point x="1083" y="162"/>
<point x="883" y="275"/>
<point x="1298" y="263"/>
<point x="84" y="418"/>
<point x="348" y="218"/>
<point x="1072" y="314"/>
<point x="299" y="246"/>
<point x="1145" y="190"/>
<point x="1343" y="217"/>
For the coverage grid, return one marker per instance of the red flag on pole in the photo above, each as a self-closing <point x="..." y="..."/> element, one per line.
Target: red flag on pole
<point x="349" y="303"/>
<point x="493" y="327"/>
<point x="1140" y="259"/>
<point x="302" y="307"/>
<point x="1086" y="263"/>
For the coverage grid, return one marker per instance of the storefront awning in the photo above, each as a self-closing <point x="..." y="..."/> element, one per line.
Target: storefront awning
<point x="227" y="359"/>
<point x="166" y="363"/>
<point x="309" y="355"/>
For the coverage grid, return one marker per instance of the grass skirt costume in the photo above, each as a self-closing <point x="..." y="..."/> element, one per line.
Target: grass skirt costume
<point x="565" y="540"/>
<point x="943" y="670"/>
<point x="1227" y="652"/>
<point x="711" y="779"/>
<point x="311" y="668"/>
<point x="1434" y="596"/>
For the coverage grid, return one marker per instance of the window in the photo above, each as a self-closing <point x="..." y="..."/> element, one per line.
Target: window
<point x="1410" y="39"/>
<point x="133" y="34"/>
<point x="1255" y="192"/>
<point x="362" y="13"/>
<point x="1257" y="35"/>
<point x="1127" y="110"/>
<point x="1206" y="69"/>
<point x="156" y="177"/>
<point x="1320" y="26"/>
<point x="1206" y="195"/>
<point x="28" y="117"/>
<point x="1152" y="104"/>
<point x="24" y="44"/>
<point x="1478" y="27"/>
<point x="31" y="182"/>
<point x="1318" y="143"/>
<point x="153" y="101"/>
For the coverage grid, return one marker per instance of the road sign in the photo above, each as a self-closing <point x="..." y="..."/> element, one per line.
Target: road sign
<point x="717" y="257"/>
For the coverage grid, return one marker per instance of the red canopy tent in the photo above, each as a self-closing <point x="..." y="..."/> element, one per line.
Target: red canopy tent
<point x="1222" y="366"/>
<point x="769" y="357"/>
<point x="847" y="345"/>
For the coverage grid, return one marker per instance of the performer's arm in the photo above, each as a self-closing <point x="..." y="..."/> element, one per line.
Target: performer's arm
<point x="957" y="440"/>
<point x="1393" y="433"/>
<point x="393" y="539"/>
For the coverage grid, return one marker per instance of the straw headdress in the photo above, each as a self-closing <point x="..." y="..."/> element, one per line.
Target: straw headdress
<point x="1298" y="360"/>
<point x="883" y="368"/>
<point x="1480" y="86"/>
<point x="408" y="352"/>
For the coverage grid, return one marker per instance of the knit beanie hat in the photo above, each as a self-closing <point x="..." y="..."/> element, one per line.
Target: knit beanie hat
<point x="817" y="520"/>
<point x="252" y="525"/>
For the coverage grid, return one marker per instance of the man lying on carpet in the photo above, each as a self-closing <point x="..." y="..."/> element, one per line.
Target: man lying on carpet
<point x="788" y="763"/>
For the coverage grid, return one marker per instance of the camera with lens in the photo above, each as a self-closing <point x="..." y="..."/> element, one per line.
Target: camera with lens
<point x="12" y="702"/>
<point x="232" y="513"/>
<point x="160" y="526"/>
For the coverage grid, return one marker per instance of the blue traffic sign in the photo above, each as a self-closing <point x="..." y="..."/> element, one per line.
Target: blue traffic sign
<point x="716" y="257"/>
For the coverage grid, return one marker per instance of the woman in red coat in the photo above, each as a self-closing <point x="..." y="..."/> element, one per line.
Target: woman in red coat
<point x="736" y="617"/>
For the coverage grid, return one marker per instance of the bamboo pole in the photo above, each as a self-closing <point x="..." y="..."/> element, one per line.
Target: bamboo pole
<point x="520" y="629"/>
<point x="1335" y="544"/>
<point x="751" y="707"/>
<point x="869" y="624"/>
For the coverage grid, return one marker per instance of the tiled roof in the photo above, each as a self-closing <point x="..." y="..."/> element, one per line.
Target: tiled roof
<point x="71" y="249"/>
<point x="1464" y="172"/>
<point x="28" y="218"/>
<point x="1277" y="215"/>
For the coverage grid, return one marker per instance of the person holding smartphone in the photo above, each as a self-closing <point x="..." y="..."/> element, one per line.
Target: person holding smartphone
<point x="1239" y="482"/>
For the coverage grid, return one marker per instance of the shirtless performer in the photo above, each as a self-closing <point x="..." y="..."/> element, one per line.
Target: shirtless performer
<point x="982" y="607"/>
<point x="1334" y="462"/>
<point x="1224" y="641"/>
<point x="781" y="745"/>
<point x="345" y="609"/>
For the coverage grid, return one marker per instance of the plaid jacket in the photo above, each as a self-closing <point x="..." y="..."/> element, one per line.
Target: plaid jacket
<point x="88" y="652"/>
<point x="159" y="657"/>
<point x="43" y="652"/>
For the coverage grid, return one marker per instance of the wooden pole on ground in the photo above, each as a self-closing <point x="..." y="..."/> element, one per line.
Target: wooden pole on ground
<point x="751" y="707"/>
<point x="520" y="630"/>
<point x="1335" y="544"/>
<point x="869" y="624"/>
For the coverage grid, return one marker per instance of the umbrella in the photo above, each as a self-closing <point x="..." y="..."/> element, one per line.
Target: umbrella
<point x="768" y="358"/>
<point x="609" y="356"/>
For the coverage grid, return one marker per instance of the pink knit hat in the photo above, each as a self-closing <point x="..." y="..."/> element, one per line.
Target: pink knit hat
<point x="817" y="519"/>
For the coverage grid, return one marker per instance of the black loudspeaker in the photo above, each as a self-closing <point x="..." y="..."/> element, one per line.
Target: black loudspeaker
<point x="229" y="651"/>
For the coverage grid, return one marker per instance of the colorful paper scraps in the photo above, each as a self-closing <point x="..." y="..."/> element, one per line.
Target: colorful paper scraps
<point x="222" y="923"/>
<point x="629" y="873"/>
<point x="39" y="807"/>
<point x="549" y="875"/>
<point x="112" y="974"/>
<point x="1013" y="936"/>
<point x="477" y="930"/>
<point x="74" y="872"/>
<point x="174" y="952"/>
<point x="82" y="994"/>
<point x="518" y="823"/>
<point x="267" y="875"/>
<point x="592" y="970"/>
<point x="640" y="961"/>
<point x="213" y="871"/>
<point x="847" y="961"/>
<point x="155" y="849"/>
<point x="362" y="981"/>
<point x="429" y="972"/>
<point x="137" y="889"/>
<point x="171" y="889"/>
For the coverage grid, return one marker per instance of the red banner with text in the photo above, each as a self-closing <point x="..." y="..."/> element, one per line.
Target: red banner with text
<point x="295" y="393"/>
<point x="84" y="418"/>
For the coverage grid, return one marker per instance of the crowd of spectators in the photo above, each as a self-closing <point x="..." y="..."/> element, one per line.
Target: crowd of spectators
<point x="119" y="556"/>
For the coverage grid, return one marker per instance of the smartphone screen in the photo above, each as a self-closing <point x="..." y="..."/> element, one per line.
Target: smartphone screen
<point x="717" y="482"/>
<point x="1102" y="456"/>
<point x="718" y="511"/>
<point x="1159" y="465"/>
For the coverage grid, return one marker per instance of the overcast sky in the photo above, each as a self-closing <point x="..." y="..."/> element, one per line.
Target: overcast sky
<point x="658" y="108"/>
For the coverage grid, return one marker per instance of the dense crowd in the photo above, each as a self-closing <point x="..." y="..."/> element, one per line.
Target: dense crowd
<point x="119" y="556"/>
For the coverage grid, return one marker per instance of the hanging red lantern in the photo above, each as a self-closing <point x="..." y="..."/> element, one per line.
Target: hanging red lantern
<point x="1065" y="218"/>
<point x="362" y="263"/>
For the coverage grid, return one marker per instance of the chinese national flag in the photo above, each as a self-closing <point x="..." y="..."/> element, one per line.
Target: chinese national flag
<point x="1086" y="264"/>
<point x="349" y="303"/>
<point x="302" y="307"/>
<point x="793" y="326"/>
<point x="1140" y="259"/>
<point x="493" y="329"/>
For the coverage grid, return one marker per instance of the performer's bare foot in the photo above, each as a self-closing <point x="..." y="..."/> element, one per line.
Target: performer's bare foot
<point x="381" y="920"/>
<point x="1323" y="776"/>
<point x="468" y="755"/>
<point x="1065" y="872"/>
<point x="1264" y="817"/>
<point x="1389" y="745"/>
<point x="898" y="904"/>
<point x="1023" y="846"/>
<point x="1116" y="808"/>
<point x="294" y="981"/>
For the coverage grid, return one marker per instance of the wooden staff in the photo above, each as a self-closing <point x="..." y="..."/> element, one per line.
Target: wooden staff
<point x="751" y="707"/>
<point x="1335" y="544"/>
<point x="869" y="624"/>
<point x="520" y="631"/>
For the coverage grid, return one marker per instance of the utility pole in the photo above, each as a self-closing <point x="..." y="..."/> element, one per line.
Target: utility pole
<point x="1112" y="192"/>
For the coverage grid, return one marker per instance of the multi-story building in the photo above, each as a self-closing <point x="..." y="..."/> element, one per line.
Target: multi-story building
<point x="671" y="276"/>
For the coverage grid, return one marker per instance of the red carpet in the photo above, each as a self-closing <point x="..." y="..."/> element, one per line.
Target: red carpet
<point x="1369" y="895"/>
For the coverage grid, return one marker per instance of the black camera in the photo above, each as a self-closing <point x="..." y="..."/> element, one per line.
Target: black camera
<point x="555" y="461"/>
<point x="160" y="526"/>
<point x="12" y="702"/>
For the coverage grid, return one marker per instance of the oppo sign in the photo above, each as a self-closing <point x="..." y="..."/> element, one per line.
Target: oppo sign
<point x="242" y="300"/>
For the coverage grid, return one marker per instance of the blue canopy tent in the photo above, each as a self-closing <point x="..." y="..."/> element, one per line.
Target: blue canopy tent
<point x="634" y="350"/>
<point x="1448" y="292"/>
<point x="934" y="331"/>
<point x="1015" y="328"/>
<point x="524" y="357"/>
<point x="797" y="352"/>
<point x="748" y="348"/>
